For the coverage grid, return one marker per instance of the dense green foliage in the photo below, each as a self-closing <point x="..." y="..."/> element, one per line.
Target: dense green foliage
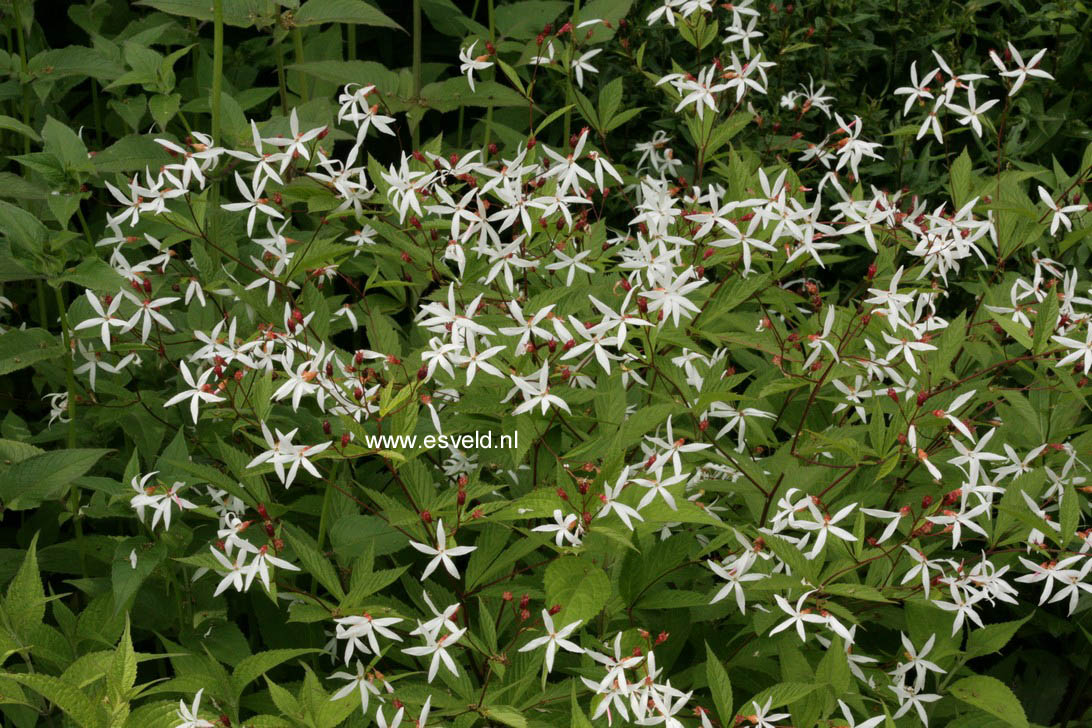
<point x="790" y="352"/>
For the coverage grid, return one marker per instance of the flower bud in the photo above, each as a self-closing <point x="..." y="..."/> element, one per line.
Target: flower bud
<point x="426" y="516"/>
<point x="926" y="501"/>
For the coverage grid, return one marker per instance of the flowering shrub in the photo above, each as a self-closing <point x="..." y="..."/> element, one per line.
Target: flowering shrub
<point x="679" y="414"/>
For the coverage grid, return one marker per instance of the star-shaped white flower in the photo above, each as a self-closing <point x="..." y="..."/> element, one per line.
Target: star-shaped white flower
<point x="553" y="639"/>
<point x="442" y="553"/>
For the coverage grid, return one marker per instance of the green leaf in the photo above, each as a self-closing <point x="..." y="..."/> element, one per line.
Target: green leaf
<point x="579" y="586"/>
<point x="24" y="603"/>
<point x="23" y="347"/>
<point x="780" y="694"/>
<point x="69" y="699"/>
<point x="10" y="124"/>
<point x="992" y="696"/>
<point x="720" y="685"/>
<point x="610" y="98"/>
<point x="251" y="668"/>
<point x="991" y="638"/>
<point x="450" y="94"/>
<point x="1069" y="514"/>
<point x="74" y="60"/>
<point x="385" y="81"/>
<point x="43" y="477"/>
<point x="163" y="107"/>
<point x="961" y="179"/>
<point x="63" y="143"/>
<point x="23" y="230"/>
<point x="239" y="13"/>
<point x="126" y="580"/>
<point x="315" y="12"/>
<point x="505" y="714"/>
<point x="1045" y="321"/>
<point x="314" y="562"/>
<point x="130" y="154"/>
<point x="123" y="666"/>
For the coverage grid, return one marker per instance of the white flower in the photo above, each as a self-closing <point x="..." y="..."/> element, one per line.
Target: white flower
<point x="360" y="681"/>
<point x="1061" y="213"/>
<point x="189" y="716"/>
<point x="1081" y="351"/>
<point x="1023" y="70"/>
<point x="294" y="145"/>
<point x="469" y="64"/>
<point x="357" y="628"/>
<point x="580" y="65"/>
<point x="971" y="112"/>
<point x="565" y="528"/>
<point x="199" y="391"/>
<point x="797" y="615"/>
<point x="553" y="640"/>
<point x="104" y="318"/>
<point x="260" y="567"/>
<point x="441" y="553"/>
<point x="254" y="202"/>
<point x="762" y="718"/>
<point x="437" y="646"/>
<point x="536" y="391"/>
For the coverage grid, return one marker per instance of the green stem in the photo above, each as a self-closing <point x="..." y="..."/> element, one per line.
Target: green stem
<point x="297" y="41"/>
<point x="70" y="383"/>
<point x="96" y="107"/>
<point x="21" y="41"/>
<point x="489" y="109"/>
<point x="281" y="83"/>
<point x="217" y="66"/>
<point x="214" y="104"/>
<point x="39" y="291"/>
<point x="416" y="125"/>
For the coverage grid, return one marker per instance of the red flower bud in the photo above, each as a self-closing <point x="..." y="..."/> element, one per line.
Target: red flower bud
<point x="926" y="501"/>
<point x="426" y="516"/>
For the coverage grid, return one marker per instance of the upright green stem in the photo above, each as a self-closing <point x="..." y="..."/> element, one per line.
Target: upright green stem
<point x="416" y="128"/>
<point x="214" y="103"/>
<point x="96" y="108"/>
<point x="70" y="384"/>
<point x="489" y="109"/>
<point x="39" y="290"/>
<point x="21" y="41"/>
<point x="297" y="41"/>
<point x="217" y="66"/>
<point x="281" y="83"/>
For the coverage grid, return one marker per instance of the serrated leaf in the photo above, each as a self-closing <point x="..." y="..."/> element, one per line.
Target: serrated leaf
<point x="251" y="668"/>
<point x="69" y="699"/>
<point x="315" y="12"/>
<point x="720" y="685"/>
<point x="43" y="477"/>
<point x="992" y="696"/>
<point x="579" y="586"/>
<point x="24" y="603"/>
<point x="23" y="347"/>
